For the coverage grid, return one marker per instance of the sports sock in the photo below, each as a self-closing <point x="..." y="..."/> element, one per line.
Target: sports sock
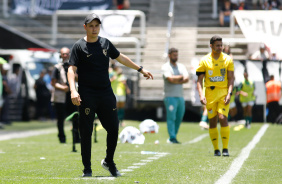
<point x="120" y="114"/>
<point x="204" y="118"/>
<point x="214" y="137"/>
<point x="247" y="120"/>
<point x="250" y="119"/>
<point x="225" y="132"/>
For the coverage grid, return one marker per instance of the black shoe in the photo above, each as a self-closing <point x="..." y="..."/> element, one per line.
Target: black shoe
<point x="87" y="173"/>
<point x="111" y="167"/>
<point x="173" y="141"/>
<point x="225" y="153"/>
<point x="62" y="141"/>
<point x="217" y="153"/>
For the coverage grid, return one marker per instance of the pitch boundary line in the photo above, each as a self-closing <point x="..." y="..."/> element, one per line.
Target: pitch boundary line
<point x="197" y="139"/>
<point x="239" y="161"/>
<point x="24" y="134"/>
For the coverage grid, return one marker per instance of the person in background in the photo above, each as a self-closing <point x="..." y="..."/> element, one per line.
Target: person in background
<point x="122" y="4"/>
<point x="121" y="91"/>
<point x="2" y="62"/>
<point x="217" y="69"/>
<point x="225" y="12"/>
<point x="43" y="96"/>
<point x="273" y="95"/>
<point x="61" y="96"/>
<point x="6" y="92"/>
<point x="232" y="107"/>
<point x="242" y="5"/>
<point x="261" y="54"/>
<point x="247" y="98"/>
<point x="175" y="75"/>
<point x="227" y="50"/>
<point x="204" y="118"/>
<point x="48" y="80"/>
<point x="274" y="5"/>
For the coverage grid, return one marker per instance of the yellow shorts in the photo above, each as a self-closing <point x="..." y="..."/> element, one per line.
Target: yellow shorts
<point x="215" y="101"/>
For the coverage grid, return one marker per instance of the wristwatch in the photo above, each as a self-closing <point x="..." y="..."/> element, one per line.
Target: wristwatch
<point x="230" y="93"/>
<point x="140" y="69"/>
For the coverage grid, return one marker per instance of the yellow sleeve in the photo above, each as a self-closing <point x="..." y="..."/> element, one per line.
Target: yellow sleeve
<point x="201" y="67"/>
<point x="230" y="66"/>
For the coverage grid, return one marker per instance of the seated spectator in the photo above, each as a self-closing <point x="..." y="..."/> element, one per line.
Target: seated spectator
<point x="265" y="5"/>
<point x="225" y="12"/>
<point x="242" y="5"/>
<point x="274" y="5"/>
<point x="227" y="50"/>
<point x="258" y="4"/>
<point x="262" y="54"/>
<point x="122" y="4"/>
<point x="274" y="55"/>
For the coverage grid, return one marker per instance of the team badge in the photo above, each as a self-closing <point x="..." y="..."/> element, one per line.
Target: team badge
<point x="210" y="111"/>
<point x="105" y="52"/>
<point x="87" y="111"/>
<point x="222" y="71"/>
<point x="210" y="72"/>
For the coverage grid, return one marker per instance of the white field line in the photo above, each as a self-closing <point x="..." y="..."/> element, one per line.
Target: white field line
<point x="239" y="161"/>
<point x="197" y="139"/>
<point x="57" y="178"/>
<point x="25" y="134"/>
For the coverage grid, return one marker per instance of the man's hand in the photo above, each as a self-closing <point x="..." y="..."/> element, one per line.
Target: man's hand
<point x="227" y="99"/>
<point x="147" y="74"/>
<point x="203" y="100"/>
<point x="75" y="98"/>
<point x="65" y="88"/>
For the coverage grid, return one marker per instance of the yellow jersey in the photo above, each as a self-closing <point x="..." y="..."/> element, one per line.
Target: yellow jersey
<point x="216" y="70"/>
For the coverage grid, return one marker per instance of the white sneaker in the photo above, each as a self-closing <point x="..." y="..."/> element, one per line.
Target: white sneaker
<point x="204" y="125"/>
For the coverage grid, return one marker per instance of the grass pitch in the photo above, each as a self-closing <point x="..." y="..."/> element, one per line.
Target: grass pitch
<point x="42" y="159"/>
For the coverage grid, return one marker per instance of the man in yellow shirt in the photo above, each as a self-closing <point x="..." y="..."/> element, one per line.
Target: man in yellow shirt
<point x="217" y="69"/>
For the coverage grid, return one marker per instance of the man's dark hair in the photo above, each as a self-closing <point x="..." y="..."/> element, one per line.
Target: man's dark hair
<point x="171" y="50"/>
<point x="215" y="38"/>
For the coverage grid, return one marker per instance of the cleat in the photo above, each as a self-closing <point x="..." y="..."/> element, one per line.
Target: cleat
<point x="111" y="167"/>
<point x="173" y="141"/>
<point x="217" y="153"/>
<point x="225" y="153"/>
<point x="87" y="173"/>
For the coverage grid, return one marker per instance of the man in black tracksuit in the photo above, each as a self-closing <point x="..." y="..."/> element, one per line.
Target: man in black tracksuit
<point x="90" y="57"/>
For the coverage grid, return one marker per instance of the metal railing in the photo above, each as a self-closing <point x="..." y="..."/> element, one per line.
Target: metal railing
<point x="169" y="27"/>
<point x="72" y="13"/>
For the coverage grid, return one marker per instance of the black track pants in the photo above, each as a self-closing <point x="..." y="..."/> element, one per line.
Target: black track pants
<point x="103" y="103"/>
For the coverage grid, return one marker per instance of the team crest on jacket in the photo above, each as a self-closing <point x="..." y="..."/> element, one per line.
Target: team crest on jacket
<point x="222" y="71"/>
<point x="87" y="111"/>
<point x="105" y="52"/>
<point x="210" y="72"/>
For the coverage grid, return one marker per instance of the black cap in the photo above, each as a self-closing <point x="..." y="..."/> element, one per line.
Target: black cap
<point x="215" y="38"/>
<point x="89" y="18"/>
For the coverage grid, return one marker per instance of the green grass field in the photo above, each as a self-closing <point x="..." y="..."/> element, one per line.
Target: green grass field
<point x="41" y="159"/>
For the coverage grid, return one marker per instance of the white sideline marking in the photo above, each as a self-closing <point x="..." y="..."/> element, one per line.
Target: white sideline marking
<point x="126" y="170"/>
<point x="238" y="162"/>
<point x="153" y="158"/>
<point x="25" y="134"/>
<point x="146" y="160"/>
<point x="197" y="139"/>
<point x="79" y="178"/>
<point x="133" y="167"/>
<point x="139" y="164"/>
